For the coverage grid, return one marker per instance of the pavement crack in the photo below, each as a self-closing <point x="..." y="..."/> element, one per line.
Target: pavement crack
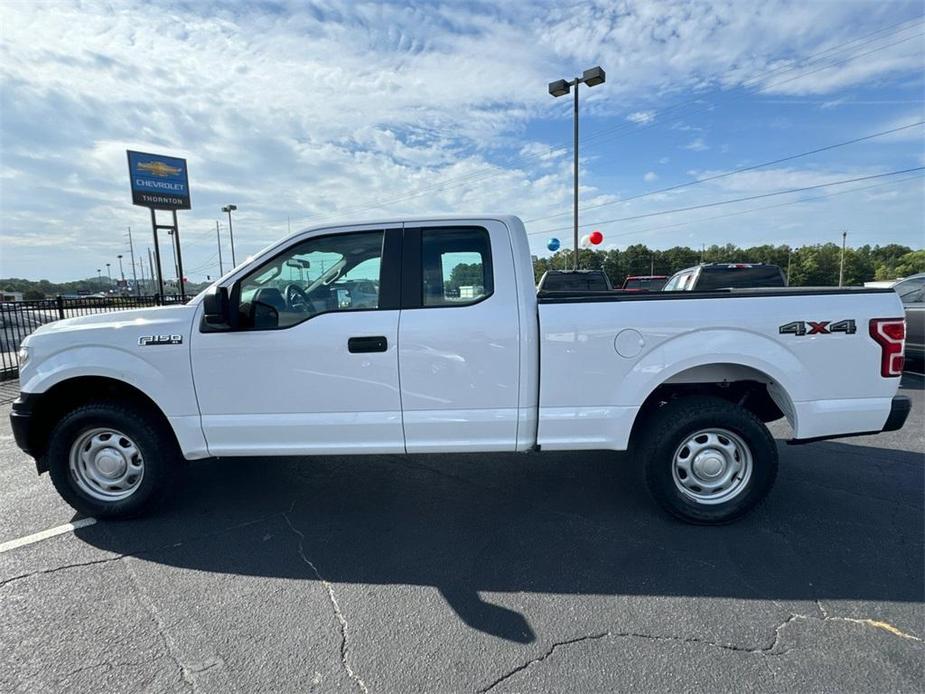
<point x="769" y="650"/>
<point x="552" y="649"/>
<point x="876" y="624"/>
<point x="338" y="614"/>
<point x="170" y="647"/>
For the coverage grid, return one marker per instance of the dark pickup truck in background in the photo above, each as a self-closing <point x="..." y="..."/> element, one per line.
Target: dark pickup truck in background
<point x="707" y="276"/>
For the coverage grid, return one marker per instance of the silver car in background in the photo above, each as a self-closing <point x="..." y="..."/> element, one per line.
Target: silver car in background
<point x="912" y="293"/>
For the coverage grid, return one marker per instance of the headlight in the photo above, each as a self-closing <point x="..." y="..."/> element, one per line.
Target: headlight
<point x="23" y="356"/>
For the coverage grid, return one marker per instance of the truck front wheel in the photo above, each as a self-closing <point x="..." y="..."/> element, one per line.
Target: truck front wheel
<point x="707" y="460"/>
<point x="109" y="461"/>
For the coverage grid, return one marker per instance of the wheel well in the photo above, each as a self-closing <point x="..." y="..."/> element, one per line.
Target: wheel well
<point x="67" y="395"/>
<point x="750" y="393"/>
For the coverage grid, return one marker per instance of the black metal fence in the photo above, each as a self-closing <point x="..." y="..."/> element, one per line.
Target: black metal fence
<point x="20" y="318"/>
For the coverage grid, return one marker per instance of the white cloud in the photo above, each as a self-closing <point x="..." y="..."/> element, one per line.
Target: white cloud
<point x="641" y="117"/>
<point x="352" y="109"/>
<point x="650" y="177"/>
<point x="697" y="145"/>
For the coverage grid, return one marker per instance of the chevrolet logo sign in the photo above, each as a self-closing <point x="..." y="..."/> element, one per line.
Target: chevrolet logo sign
<point x="158" y="168"/>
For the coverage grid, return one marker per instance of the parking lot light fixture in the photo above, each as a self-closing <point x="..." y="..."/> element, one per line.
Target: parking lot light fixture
<point x="591" y="77"/>
<point x="229" y="209"/>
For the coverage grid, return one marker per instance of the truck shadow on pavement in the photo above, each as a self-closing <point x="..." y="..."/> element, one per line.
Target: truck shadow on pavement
<point x="844" y="522"/>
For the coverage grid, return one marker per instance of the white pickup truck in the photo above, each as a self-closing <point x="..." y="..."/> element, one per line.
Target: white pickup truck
<point x="428" y="336"/>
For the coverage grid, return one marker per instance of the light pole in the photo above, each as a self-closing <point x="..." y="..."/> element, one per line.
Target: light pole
<point x="229" y="209"/>
<point x="841" y="264"/>
<point x="121" y="271"/>
<point x="99" y="279"/>
<point x="109" y="272"/>
<point x="218" y="238"/>
<point x="592" y="77"/>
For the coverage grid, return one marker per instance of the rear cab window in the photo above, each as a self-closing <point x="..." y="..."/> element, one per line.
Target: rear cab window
<point x="455" y="266"/>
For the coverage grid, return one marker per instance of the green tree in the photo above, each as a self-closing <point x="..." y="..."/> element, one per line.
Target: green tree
<point x="911" y="263"/>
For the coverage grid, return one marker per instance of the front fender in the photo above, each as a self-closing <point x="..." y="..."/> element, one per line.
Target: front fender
<point x="165" y="377"/>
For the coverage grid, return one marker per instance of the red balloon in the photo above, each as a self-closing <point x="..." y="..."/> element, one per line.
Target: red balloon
<point x="596" y="237"/>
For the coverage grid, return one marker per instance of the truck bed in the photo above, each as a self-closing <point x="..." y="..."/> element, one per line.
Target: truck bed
<point x="602" y="354"/>
<point x="547" y="297"/>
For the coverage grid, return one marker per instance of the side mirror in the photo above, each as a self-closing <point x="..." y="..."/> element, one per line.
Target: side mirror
<point x="216" y="309"/>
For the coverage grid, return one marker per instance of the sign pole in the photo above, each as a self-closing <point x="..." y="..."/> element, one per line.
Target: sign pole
<point x="176" y="240"/>
<point x="157" y="256"/>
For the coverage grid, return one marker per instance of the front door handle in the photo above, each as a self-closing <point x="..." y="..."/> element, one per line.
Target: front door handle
<point x="359" y="345"/>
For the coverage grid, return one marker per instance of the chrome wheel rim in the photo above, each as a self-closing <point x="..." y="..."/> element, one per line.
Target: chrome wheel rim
<point x="106" y="464"/>
<point x="712" y="466"/>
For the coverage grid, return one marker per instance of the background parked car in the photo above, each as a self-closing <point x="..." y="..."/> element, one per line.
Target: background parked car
<point x="649" y="282"/>
<point x="912" y="293"/>
<point x="574" y="281"/>
<point x="707" y="276"/>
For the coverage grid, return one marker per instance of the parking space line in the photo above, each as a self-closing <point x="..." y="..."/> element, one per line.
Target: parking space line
<point x="45" y="534"/>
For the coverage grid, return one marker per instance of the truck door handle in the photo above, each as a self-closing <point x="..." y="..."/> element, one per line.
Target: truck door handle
<point x="359" y="345"/>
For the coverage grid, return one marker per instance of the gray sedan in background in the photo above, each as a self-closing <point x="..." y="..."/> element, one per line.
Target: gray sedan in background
<point x="912" y="293"/>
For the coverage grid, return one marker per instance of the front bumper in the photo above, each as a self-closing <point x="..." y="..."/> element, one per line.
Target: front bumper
<point x="899" y="412"/>
<point x="21" y="421"/>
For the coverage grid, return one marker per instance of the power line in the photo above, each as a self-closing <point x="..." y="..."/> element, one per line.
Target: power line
<point x="490" y="172"/>
<point x="765" y="207"/>
<point x="736" y="171"/>
<point x="734" y="200"/>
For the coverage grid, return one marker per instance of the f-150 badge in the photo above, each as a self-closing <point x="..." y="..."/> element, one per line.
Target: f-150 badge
<point x="148" y="340"/>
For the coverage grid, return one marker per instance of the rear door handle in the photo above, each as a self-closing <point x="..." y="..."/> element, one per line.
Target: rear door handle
<point x="359" y="345"/>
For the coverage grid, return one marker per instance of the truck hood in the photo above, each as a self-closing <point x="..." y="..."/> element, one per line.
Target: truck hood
<point x="144" y="321"/>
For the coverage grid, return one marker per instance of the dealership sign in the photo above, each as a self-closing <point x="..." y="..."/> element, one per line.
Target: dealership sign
<point x="158" y="182"/>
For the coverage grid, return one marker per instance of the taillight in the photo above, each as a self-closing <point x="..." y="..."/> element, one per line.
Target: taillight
<point x="890" y="334"/>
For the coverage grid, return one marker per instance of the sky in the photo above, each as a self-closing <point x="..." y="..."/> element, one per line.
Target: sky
<point x="305" y="113"/>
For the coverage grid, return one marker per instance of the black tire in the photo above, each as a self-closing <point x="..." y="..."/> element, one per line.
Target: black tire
<point x="155" y="443"/>
<point x="673" y="424"/>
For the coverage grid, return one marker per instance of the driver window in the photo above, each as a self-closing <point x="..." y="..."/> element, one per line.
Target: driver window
<point x="319" y="275"/>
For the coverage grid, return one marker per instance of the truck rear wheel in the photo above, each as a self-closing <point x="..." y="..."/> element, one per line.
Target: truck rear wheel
<point x="109" y="461"/>
<point x="708" y="461"/>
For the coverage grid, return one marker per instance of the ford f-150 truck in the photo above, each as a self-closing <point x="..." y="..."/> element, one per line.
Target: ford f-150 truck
<point x="428" y="336"/>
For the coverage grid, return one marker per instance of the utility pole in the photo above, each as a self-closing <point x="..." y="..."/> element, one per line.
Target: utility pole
<point x="151" y="263"/>
<point x="218" y="239"/>
<point x="141" y="265"/>
<point x="131" y="250"/>
<point x="173" y="253"/>
<point x="841" y="265"/>
<point x="789" y="261"/>
<point x="703" y="248"/>
<point x="651" y="264"/>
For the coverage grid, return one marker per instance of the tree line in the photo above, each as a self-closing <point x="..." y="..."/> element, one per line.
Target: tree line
<point x="41" y="289"/>
<point x="807" y="266"/>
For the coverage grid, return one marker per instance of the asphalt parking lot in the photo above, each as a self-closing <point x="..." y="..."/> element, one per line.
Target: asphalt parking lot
<point x="549" y="572"/>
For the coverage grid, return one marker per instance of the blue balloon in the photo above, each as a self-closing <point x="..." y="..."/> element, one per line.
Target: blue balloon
<point x="553" y="244"/>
